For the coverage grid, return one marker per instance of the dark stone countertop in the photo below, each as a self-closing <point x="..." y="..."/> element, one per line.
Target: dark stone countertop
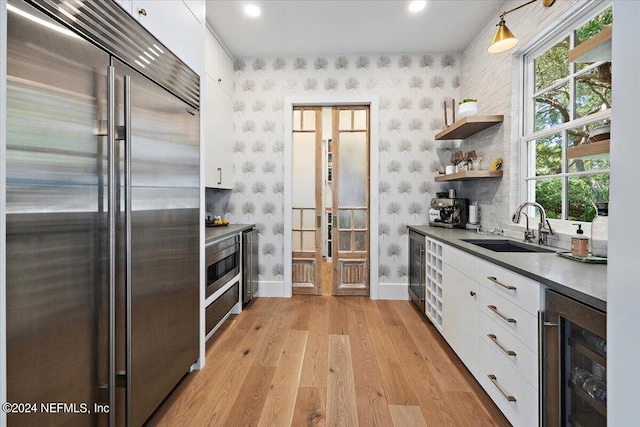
<point x="212" y="234"/>
<point x="584" y="282"/>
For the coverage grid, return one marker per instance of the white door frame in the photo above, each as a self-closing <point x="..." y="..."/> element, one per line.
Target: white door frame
<point x="330" y="101"/>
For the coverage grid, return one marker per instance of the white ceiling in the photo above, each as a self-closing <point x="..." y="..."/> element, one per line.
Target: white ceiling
<point x="333" y="27"/>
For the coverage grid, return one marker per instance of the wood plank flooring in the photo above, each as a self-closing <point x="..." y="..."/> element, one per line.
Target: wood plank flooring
<point x="328" y="361"/>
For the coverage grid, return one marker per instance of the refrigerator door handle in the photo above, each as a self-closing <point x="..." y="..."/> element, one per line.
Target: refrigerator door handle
<point x="127" y="204"/>
<point x="111" y="201"/>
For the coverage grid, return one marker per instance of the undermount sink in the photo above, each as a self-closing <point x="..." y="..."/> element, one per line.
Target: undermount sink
<point x="504" y="245"/>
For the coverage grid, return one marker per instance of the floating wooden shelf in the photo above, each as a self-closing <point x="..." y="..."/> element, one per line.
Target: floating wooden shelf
<point x="596" y="49"/>
<point x="592" y="151"/>
<point x="468" y="126"/>
<point x="467" y="175"/>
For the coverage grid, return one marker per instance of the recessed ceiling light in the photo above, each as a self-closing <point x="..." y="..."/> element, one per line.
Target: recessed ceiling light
<point x="417" y="5"/>
<point x="252" y="10"/>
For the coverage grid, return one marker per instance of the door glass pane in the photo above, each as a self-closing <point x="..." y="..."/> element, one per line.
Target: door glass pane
<point x="296" y="243"/>
<point x="344" y="220"/>
<point x="297" y="221"/>
<point x="360" y="219"/>
<point x="352" y="159"/>
<point x="309" y="219"/>
<point x="297" y="120"/>
<point x="360" y="241"/>
<point x="309" y="241"/>
<point x="345" y="120"/>
<point x="304" y="169"/>
<point x="345" y="241"/>
<point x="585" y="355"/>
<point x="360" y="119"/>
<point x="309" y="120"/>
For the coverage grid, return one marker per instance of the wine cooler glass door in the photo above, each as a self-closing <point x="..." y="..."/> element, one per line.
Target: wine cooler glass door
<point x="576" y="344"/>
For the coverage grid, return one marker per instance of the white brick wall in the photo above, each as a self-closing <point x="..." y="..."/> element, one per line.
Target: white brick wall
<point x="489" y="78"/>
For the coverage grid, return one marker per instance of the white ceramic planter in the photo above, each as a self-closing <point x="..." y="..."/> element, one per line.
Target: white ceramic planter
<point x="467" y="109"/>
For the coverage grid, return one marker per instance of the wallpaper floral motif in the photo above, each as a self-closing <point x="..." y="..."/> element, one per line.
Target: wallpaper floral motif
<point x="411" y="90"/>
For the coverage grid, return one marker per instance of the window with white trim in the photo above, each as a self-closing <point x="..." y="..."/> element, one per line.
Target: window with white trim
<point x="567" y="105"/>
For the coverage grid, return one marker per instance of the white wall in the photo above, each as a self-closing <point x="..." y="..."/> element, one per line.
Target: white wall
<point x="410" y="89"/>
<point x="623" y="293"/>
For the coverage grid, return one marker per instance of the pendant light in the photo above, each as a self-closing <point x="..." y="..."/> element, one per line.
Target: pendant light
<point x="504" y="38"/>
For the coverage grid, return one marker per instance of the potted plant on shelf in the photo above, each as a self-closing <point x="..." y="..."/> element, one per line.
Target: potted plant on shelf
<point x="467" y="107"/>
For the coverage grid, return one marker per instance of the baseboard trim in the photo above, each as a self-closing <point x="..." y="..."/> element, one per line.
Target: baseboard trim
<point x="390" y="291"/>
<point x="393" y="291"/>
<point x="271" y="289"/>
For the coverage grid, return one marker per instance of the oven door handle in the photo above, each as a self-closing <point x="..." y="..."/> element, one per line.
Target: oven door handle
<point x="220" y="255"/>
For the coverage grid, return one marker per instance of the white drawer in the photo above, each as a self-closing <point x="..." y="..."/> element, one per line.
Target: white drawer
<point x="524" y="410"/>
<point x="512" y="318"/>
<point x="502" y="281"/>
<point x="462" y="261"/>
<point x="517" y="355"/>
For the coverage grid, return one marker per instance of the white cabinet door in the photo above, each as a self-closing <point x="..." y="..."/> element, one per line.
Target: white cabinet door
<point x="171" y="22"/>
<point x="198" y="8"/>
<point x="461" y="315"/>
<point x="217" y="117"/>
<point x="218" y="64"/>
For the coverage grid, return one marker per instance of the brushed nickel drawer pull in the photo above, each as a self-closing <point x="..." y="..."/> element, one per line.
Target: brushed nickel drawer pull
<point x="494" y="338"/>
<point x="495" y="382"/>
<point x="495" y="310"/>
<point x="497" y="282"/>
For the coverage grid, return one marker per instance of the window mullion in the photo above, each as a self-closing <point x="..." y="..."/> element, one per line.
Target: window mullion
<point x="565" y="179"/>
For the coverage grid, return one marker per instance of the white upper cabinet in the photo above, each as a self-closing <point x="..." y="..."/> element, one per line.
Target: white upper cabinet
<point x="198" y="8"/>
<point x="218" y="64"/>
<point x="217" y="115"/>
<point x="175" y="23"/>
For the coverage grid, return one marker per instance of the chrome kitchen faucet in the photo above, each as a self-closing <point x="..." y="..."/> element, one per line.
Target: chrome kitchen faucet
<point x="544" y="228"/>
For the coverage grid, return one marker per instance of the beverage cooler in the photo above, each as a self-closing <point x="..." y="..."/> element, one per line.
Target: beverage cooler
<point x="574" y="363"/>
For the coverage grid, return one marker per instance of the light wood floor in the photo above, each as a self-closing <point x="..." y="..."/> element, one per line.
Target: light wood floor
<point x="334" y="361"/>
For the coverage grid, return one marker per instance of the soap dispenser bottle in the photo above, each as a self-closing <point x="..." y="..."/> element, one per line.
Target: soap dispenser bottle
<point x="600" y="231"/>
<point x="579" y="243"/>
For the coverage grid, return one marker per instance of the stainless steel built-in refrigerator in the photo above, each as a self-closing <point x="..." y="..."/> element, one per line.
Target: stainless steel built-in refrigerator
<point x="102" y="215"/>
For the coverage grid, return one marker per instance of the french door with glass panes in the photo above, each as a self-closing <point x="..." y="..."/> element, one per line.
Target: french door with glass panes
<point x="343" y="192"/>
<point x="307" y="201"/>
<point x="351" y="228"/>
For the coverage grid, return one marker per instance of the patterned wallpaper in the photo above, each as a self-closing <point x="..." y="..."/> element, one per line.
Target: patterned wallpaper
<point x="411" y="90"/>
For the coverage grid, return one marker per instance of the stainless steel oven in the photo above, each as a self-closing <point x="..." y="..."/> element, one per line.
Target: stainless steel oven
<point x="417" y="279"/>
<point x="223" y="263"/>
<point x="574" y="363"/>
